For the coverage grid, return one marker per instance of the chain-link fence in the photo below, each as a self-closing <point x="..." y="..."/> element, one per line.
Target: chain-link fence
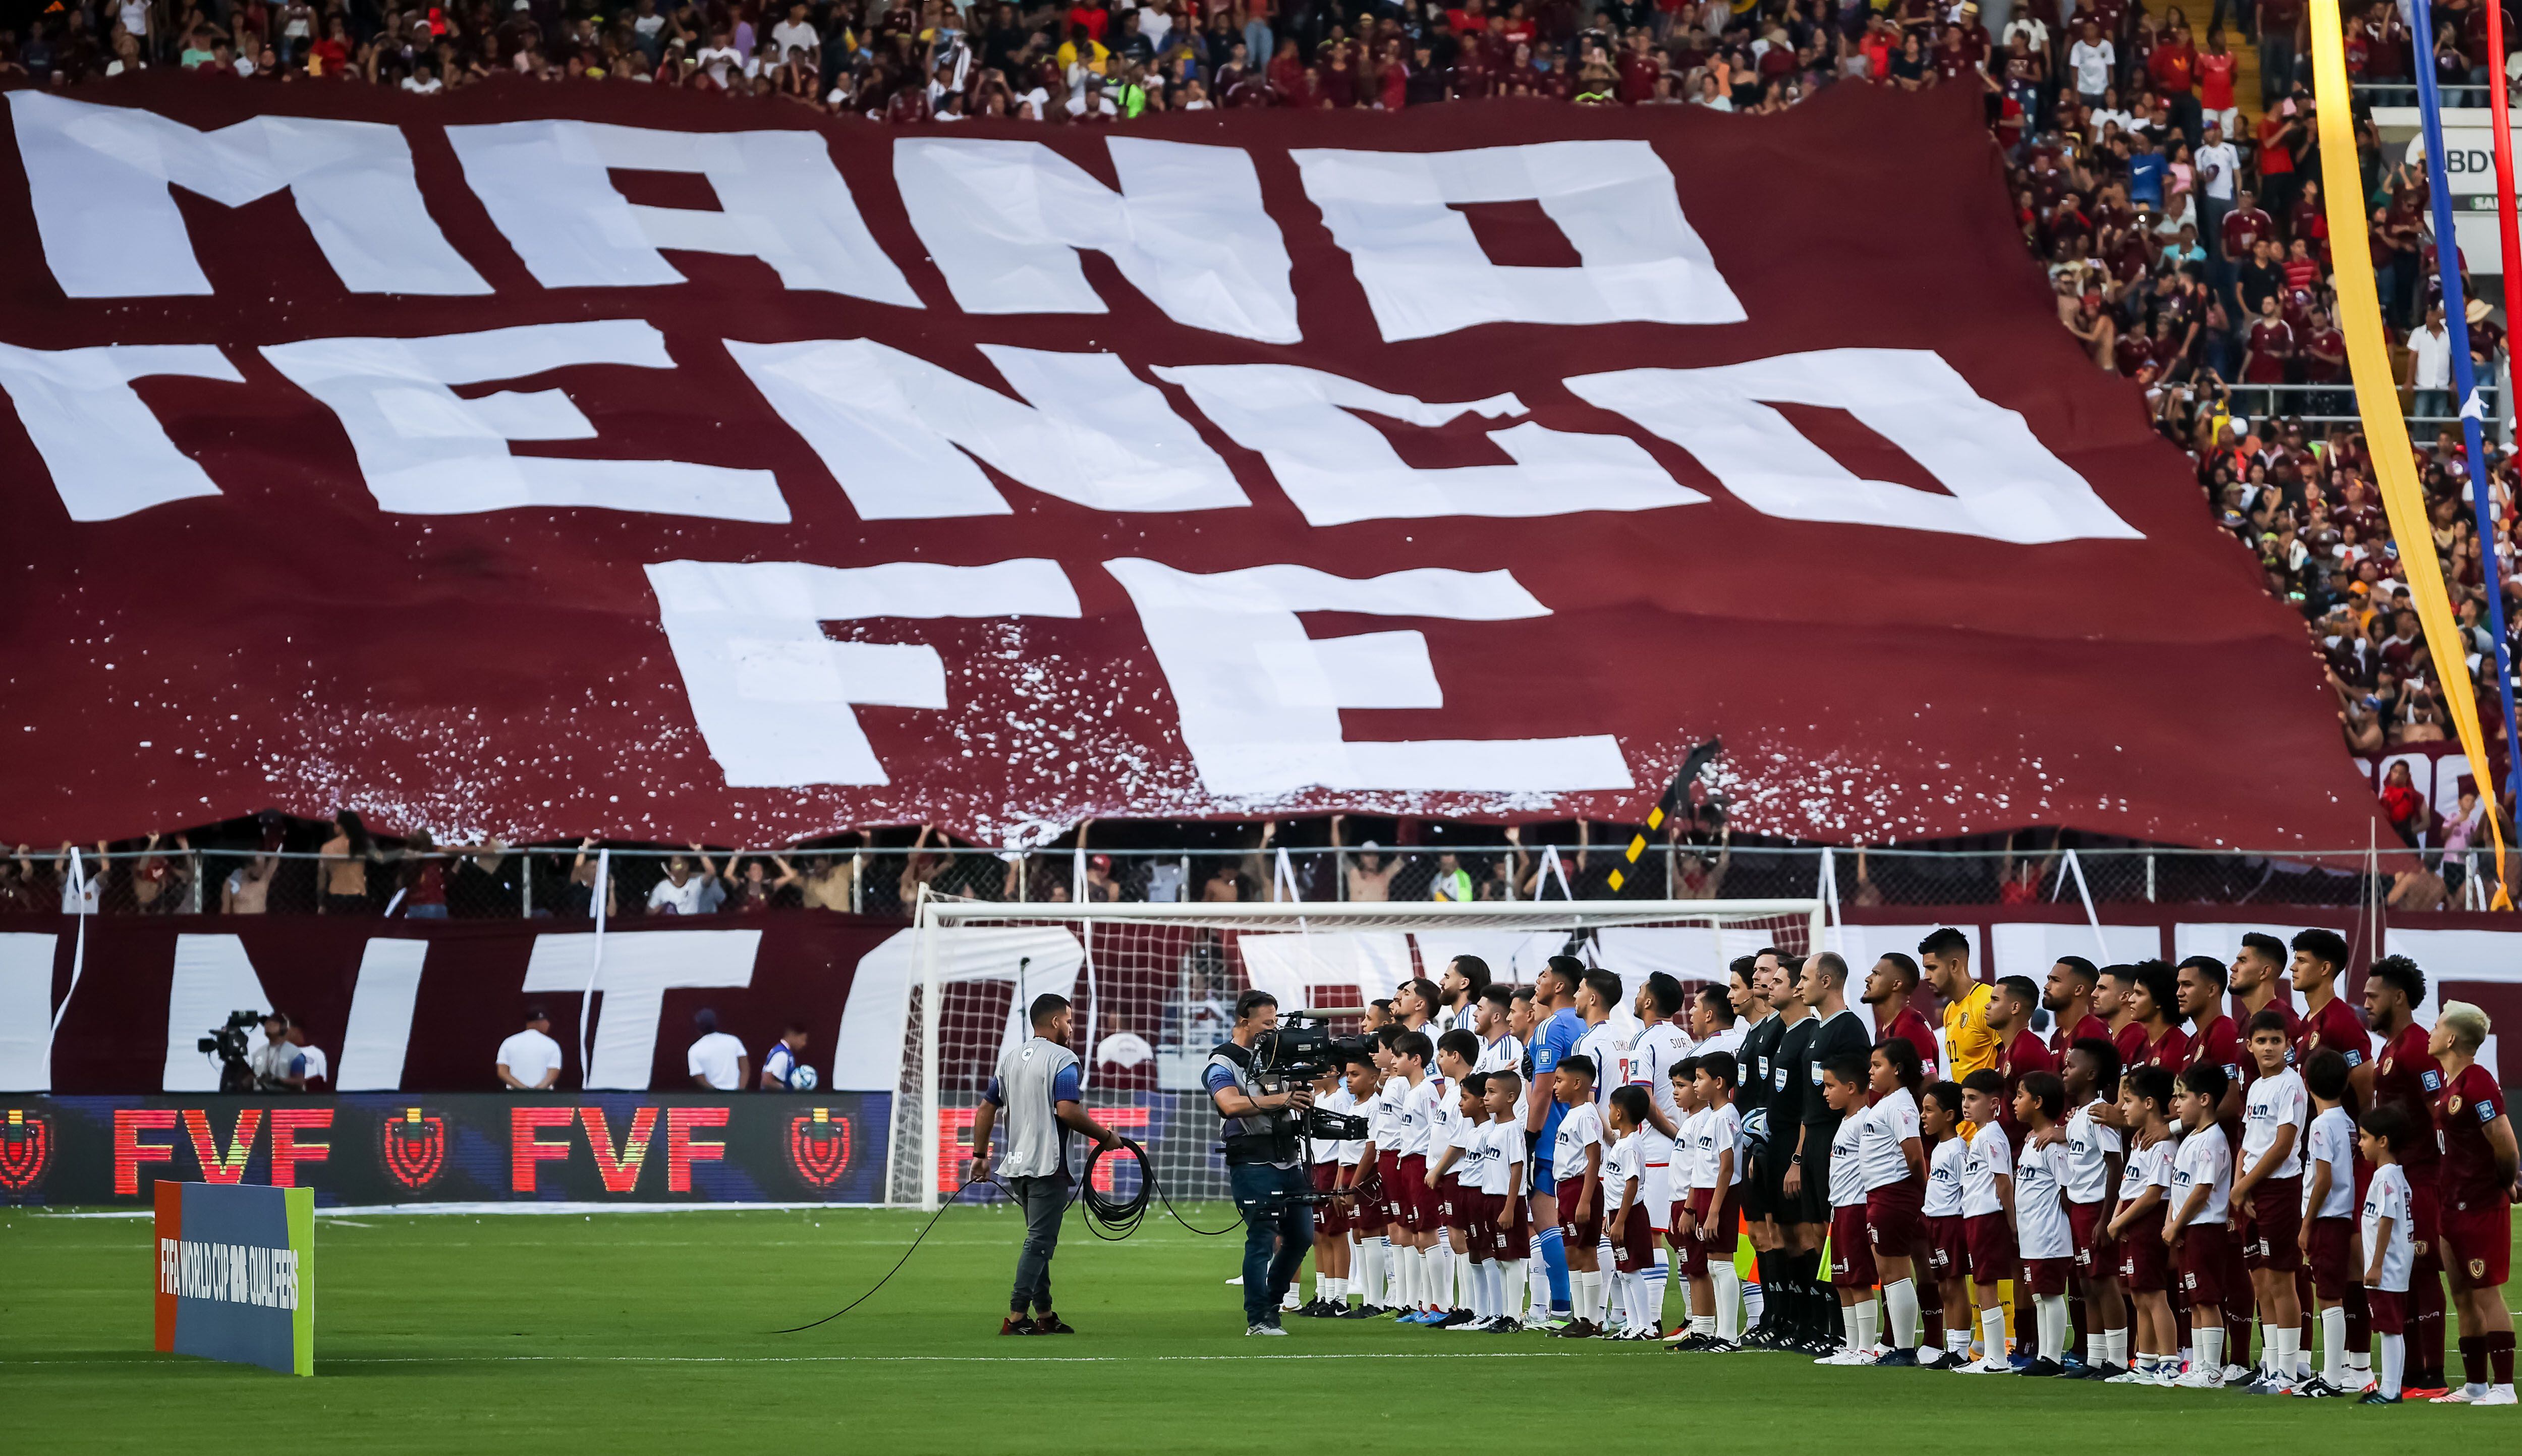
<point x="875" y="878"/>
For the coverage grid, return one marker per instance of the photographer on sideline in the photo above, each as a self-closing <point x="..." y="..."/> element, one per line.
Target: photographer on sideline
<point x="1037" y="1086"/>
<point x="278" y="1065"/>
<point x="1263" y="1162"/>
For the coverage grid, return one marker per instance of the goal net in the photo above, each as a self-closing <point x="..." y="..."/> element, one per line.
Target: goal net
<point x="1154" y="986"/>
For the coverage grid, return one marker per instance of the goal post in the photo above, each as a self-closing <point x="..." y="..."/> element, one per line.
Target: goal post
<point x="1155" y="985"/>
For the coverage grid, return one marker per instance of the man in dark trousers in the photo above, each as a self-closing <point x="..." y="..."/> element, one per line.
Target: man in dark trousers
<point x="1037" y="1089"/>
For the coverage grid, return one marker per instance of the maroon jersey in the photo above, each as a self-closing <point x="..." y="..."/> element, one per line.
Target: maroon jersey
<point x="2219" y="1043"/>
<point x="2272" y="345"/>
<point x="2337" y="1029"/>
<point x="2022" y="1056"/>
<point x="2131" y="1043"/>
<point x="1912" y="1028"/>
<point x="2066" y="1036"/>
<point x="2407" y="1076"/>
<point x="2171" y="1054"/>
<point x="2242" y="1015"/>
<point x="2470" y="1177"/>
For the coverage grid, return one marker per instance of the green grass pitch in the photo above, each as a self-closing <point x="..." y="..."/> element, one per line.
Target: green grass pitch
<point x="639" y="1332"/>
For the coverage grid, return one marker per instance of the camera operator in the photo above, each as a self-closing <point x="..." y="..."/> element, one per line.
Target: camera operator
<point x="1263" y="1161"/>
<point x="279" y="1064"/>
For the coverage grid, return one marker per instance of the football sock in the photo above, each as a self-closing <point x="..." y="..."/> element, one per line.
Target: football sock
<point x="1606" y="1264"/>
<point x="1755" y="1299"/>
<point x="2290" y="1353"/>
<point x="2049" y="1316"/>
<point x="2211" y="1349"/>
<point x="1727" y="1281"/>
<point x="1991" y="1333"/>
<point x="2395" y="1357"/>
<point x="1933" y="1313"/>
<point x="1440" y="1286"/>
<point x="2473" y="1364"/>
<point x="2333" y="1344"/>
<point x="1517" y="1278"/>
<point x="2500" y="1357"/>
<point x="1958" y="1341"/>
<point x="2081" y="1319"/>
<point x="1477" y="1299"/>
<point x="1536" y="1279"/>
<point x="2359" y="1328"/>
<point x="2425" y="1332"/>
<point x="1369" y="1269"/>
<point x="1901" y="1297"/>
<point x="2115" y="1347"/>
<point x="1653" y="1283"/>
<point x="1553" y="1253"/>
<point x="2237" y="1337"/>
<point x="1764" y="1277"/>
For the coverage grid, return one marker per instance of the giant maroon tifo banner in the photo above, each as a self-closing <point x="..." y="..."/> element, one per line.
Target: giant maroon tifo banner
<point x="548" y="460"/>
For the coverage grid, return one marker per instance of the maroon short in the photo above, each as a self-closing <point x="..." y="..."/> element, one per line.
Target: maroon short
<point x="1949" y="1247"/>
<point x="1587" y="1231"/>
<point x="2333" y="1257"/>
<point x="1992" y="1246"/>
<point x="2206" y="1260"/>
<point x="1895" y="1218"/>
<point x="1851" y="1249"/>
<point x="1510" y="1242"/>
<point x="2388" y="1309"/>
<point x="1452" y="1201"/>
<point x="2425" y="1226"/>
<point x="1418" y="1199"/>
<point x="2142" y="1263"/>
<point x="1386" y="1207"/>
<point x="1721" y="1230"/>
<point x="2097" y="1254"/>
<point x="1634" y="1250"/>
<point x="1328" y="1219"/>
<point x="2272" y="1236"/>
<point x="1478" y="1229"/>
<point x="1681" y="1242"/>
<point x="2478" y="1240"/>
<point x="2046" y="1276"/>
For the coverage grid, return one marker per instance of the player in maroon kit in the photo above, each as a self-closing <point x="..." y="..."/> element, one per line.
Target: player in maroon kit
<point x="2477" y="1209"/>
<point x="2154" y="1009"/>
<point x="2020" y="1050"/>
<point x="2215" y="1040"/>
<point x="2110" y="994"/>
<point x="2258" y="982"/>
<point x="1890" y="987"/>
<point x="2320" y="960"/>
<point x="2405" y="1075"/>
<point x="2068" y="998"/>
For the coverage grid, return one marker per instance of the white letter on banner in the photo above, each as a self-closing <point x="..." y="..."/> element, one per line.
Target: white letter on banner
<point x="2005" y="483"/>
<point x="886" y="423"/>
<point x="1004" y="221"/>
<point x="637" y="972"/>
<point x="427" y="451"/>
<point x="107" y="453"/>
<point x="98" y="177"/>
<point x="773" y="694"/>
<point x="1422" y="268"/>
<point x="1261" y="701"/>
<point x="1338" y="468"/>
<point x="545" y="184"/>
<point x="213" y="977"/>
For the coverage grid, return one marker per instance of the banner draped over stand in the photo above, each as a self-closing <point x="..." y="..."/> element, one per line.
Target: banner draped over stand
<point x="556" y="460"/>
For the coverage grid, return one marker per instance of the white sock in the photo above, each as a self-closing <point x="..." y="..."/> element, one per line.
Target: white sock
<point x="2115" y="1349"/>
<point x="2395" y="1352"/>
<point x="1439" y="1290"/>
<point x="1517" y="1275"/>
<point x="1606" y="1264"/>
<point x="1730" y="1299"/>
<point x="1372" y="1257"/>
<point x="1869" y="1319"/>
<point x="1958" y="1340"/>
<point x="1457" y="1257"/>
<point x="2286" y="1341"/>
<point x="2051" y="1313"/>
<point x="2211" y="1349"/>
<point x="2333" y="1344"/>
<point x="1537" y="1278"/>
<point x="1851" y="1324"/>
<point x="1476" y="1299"/>
<point x="1901" y="1297"/>
<point x="1756" y="1301"/>
<point x="1597" y="1301"/>
<point x="1652" y="1281"/>
<point x="1991" y="1334"/>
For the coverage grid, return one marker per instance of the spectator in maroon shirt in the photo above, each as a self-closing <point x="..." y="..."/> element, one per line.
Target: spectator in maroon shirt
<point x="2245" y="225"/>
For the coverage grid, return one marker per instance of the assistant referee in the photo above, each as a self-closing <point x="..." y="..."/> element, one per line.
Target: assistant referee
<point x="1037" y="1086"/>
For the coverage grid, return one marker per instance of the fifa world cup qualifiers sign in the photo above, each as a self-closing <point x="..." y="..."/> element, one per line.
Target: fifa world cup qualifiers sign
<point x="236" y="1274"/>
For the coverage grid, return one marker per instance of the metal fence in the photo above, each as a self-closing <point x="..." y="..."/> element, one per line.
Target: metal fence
<point x="2335" y="404"/>
<point x="883" y="880"/>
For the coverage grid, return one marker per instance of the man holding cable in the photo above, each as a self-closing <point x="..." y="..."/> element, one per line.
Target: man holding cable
<point x="1264" y="1162"/>
<point x="1037" y="1086"/>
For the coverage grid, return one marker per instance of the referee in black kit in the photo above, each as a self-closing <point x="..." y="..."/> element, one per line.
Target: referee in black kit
<point x="1830" y="1031"/>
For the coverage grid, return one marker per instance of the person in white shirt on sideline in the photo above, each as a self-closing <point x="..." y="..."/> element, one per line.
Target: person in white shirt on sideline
<point x="717" y="1062"/>
<point x="681" y="892"/>
<point x="530" y="1061"/>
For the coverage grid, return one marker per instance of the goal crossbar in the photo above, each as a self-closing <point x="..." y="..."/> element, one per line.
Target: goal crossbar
<point x="915" y="1144"/>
